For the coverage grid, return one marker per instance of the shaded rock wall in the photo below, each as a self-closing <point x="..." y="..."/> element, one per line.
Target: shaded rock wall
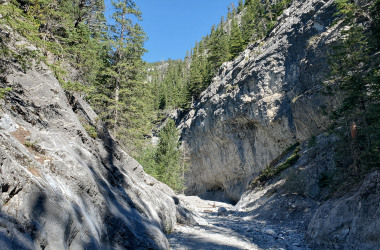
<point x="299" y="197"/>
<point x="268" y="98"/>
<point x="293" y="196"/>
<point x="349" y="222"/>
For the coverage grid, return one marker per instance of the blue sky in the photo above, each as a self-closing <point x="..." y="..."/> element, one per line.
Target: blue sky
<point x="173" y="26"/>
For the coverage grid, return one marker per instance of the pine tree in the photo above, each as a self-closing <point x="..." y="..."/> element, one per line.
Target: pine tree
<point x="355" y="70"/>
<point x="218" y="47"/>
<point x="168" y="157"/>
<point x="130" y="114"/>
<point x="251" y="21"/>
<point x="240" y="6"/>
<point x="236" y="40"/>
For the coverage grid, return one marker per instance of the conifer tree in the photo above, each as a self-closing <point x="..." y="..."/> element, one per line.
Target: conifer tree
<point x="240" y="6"/>
<point x="218" y="47"/>
<point x="129" y="114"/>
<point x="168" y="157"/>
<point x="355" y="69"/>
<point x="251" y="25"/>
<point x="236" y="40"/>
<point x="166" y="162"/>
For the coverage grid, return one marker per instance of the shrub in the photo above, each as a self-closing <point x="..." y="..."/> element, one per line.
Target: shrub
<point x="91" y="130"/>
<point x="4" y="92"/>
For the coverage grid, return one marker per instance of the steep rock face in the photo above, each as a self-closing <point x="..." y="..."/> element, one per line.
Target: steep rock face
<point x="62" y="189"/>
<point x="265" y="100"/>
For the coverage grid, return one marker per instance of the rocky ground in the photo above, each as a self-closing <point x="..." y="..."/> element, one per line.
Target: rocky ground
<point x="228" y="227"/>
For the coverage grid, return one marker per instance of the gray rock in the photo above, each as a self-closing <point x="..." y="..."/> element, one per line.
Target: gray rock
<point x="62" y="189"/>
<point x="222" y="211"/>
<point x="7" y="124"/>
<point x="350" y="222"/>
<point x="262" y="102"/>
<point x="269" y="231"/>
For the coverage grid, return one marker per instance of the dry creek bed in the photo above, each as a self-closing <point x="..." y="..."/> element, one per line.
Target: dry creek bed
<point x="232" y="229"/>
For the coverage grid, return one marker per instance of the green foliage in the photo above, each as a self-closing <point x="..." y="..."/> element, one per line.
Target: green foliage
<point x="169" y="86"/>
<point x="75" y="87"/>
<point x="375" y="14"/>
<point x="164" y="162"/>
<point x="147" y="159"/>
<point x="355" y="71"/>
<point x="272" y="170"/>
<point x="236" y="40"/>
<point x="30" y="144"/>
<point x="226" y="40"/>
<point x="91" y="131"/>
<point x="283" y="154"/>
<point x="4" y="92"/>
<point x="33" y="145"/>
<point x="219" y="46"/>
<point x="88" y="57"/>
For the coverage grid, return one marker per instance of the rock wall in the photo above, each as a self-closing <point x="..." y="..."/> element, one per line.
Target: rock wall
<point x="299" y="197"/>
<point x="61" y="188"/>
<point x="293" y="195"/>
<point x="268" y="98"/>
<point x="349" y="222"/>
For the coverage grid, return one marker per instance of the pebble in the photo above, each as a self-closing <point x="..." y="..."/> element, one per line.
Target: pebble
<point x="222" y="211"/>
<point x="269" y="231"/>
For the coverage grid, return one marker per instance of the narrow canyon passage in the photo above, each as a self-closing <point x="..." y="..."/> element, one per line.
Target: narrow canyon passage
<point x="232" y="229"/>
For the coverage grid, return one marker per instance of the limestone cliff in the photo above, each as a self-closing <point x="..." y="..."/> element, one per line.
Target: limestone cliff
<point x="62" y="188"/>
<point x="268" y="98"/>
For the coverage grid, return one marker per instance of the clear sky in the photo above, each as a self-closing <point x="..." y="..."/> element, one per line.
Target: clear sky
<point x="173" y="26"/>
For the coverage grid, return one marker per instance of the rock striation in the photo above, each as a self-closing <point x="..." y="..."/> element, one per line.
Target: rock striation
<point x="62" y="188"/>
<point x="268" y="98"/>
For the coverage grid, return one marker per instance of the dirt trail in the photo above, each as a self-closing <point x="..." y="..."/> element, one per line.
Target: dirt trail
<point x="233" y="230"/>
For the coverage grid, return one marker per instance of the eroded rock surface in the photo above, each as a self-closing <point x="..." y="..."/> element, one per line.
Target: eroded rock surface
<point x="61" y="188"/>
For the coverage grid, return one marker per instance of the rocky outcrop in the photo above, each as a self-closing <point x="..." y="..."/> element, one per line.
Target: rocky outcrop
<point x="292" y="196"/>
<point x="62" y="188"/>
<point x="349" y="222"/>
<point x="268" y="98"/>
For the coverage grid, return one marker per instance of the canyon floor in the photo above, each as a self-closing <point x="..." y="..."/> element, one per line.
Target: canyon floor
<point x="233" y="229"/>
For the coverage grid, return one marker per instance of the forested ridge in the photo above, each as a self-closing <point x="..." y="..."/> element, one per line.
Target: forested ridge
<point x="178" y="83"/>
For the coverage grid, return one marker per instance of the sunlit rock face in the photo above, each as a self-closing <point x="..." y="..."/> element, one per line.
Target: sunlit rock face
<point x="268" y="98"/>
<point x="61" y="188"/>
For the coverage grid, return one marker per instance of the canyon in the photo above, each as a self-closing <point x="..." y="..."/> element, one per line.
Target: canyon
<point x="66" y="183"/>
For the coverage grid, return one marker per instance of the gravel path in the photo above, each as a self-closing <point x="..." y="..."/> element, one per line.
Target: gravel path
<point x="233" y="230"/>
